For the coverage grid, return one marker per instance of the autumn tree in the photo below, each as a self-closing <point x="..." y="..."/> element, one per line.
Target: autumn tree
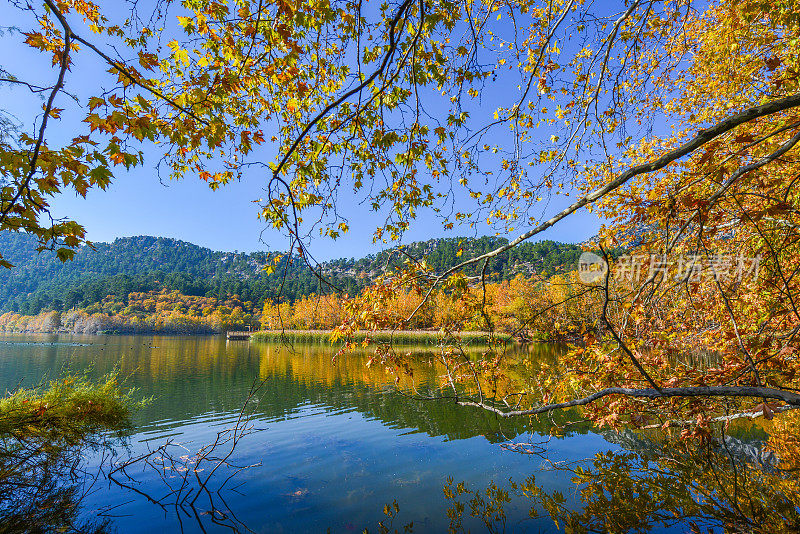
<point x="676" y="121"/>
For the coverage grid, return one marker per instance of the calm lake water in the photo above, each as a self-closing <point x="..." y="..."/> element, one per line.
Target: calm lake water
<point x="336" y="441"/>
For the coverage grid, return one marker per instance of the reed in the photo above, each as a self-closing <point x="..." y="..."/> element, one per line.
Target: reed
<point x="400" y="337"/>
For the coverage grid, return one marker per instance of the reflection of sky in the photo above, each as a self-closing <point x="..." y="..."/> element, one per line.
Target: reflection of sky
<point x="333" y="449"/>
<point x="137" y="203"/>
<point x="323" y="470"/>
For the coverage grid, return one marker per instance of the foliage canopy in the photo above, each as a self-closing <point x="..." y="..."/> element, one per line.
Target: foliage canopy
<point x="677" y="121"/>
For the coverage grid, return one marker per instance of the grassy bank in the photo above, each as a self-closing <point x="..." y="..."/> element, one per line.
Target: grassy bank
<point x="401" y="337"/>
<point x="68" y="409"/>
<point x="46" y="433"/>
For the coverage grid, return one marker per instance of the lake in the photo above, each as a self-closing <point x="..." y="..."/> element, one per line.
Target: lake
<point x="330" y="443"/>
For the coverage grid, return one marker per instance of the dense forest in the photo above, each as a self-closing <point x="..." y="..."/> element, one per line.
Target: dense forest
<point x="40" y="281"/>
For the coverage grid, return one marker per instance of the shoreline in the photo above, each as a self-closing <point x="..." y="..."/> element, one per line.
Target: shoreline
<point x="402" y="337"/>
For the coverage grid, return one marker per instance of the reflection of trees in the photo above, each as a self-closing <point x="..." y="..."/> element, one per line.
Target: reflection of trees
<point x="308" y="374"/>
<point x="657" y="481"/>
<point x="41" y="489"/>
<point x="187" y="478"/>
<point x="44" y="481"/>
<point x="45" y="435"/>
<point x="188" y="375"/>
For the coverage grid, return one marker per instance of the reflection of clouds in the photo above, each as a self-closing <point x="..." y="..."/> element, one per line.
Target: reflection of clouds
<point x="413" y="478"/>
<point x="297" y="495"/>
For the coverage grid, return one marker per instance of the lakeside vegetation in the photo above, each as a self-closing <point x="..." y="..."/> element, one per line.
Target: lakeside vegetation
<point x="124" y="288"/>
<point x="67" y="409"/>
<point x="166" y="312"/>
<point x="45" y="433"/>
<point x="399" y="337"/>
<point x="512" y="308"/>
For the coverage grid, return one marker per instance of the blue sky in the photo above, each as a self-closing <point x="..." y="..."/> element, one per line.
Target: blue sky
<point x="138" y="203"/>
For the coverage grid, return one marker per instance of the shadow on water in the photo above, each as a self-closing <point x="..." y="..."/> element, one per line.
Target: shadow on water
<point x="44" y="482"/>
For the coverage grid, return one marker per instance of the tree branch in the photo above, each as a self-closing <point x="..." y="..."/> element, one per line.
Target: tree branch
<point x="390" y="52"/>
<point x="702" y="137"/>
<point x="68" y="33"/>
<point x="37" y="147"/>
<point x="651" y="393"/>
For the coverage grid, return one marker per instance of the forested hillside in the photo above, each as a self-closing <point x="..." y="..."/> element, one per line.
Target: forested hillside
<point x="40" y="281"/>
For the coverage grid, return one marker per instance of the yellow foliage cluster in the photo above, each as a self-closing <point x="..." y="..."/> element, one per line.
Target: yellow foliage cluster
<point x="525" y="307"/>
<point x="513" y="307"/>
<point x="161" y="311"/>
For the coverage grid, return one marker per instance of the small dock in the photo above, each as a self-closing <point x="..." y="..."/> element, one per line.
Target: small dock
<point x="233" y="335"/>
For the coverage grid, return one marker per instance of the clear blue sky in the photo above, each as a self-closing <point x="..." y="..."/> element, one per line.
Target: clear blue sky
<point x="137" y="203"/>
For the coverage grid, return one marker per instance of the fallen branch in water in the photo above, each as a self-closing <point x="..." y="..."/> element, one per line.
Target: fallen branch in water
<point x="727" y="418"/>
<point x="187" y="477"/>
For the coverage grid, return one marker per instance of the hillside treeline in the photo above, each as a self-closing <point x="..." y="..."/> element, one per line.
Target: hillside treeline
<point x="133" y="265"/>
<point x="513" y="306"/>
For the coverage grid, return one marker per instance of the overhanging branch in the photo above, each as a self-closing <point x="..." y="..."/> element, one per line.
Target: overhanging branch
<point x="788" y="397"/>
<point x="69" y="34"/>
<point x="702" y="137"/>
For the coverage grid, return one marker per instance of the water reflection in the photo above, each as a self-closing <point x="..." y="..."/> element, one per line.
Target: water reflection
<point x="44" y="481"/>
<point x="191" y="376"/>
<point x="656" y="483"/>
<point x="339" y="442"/>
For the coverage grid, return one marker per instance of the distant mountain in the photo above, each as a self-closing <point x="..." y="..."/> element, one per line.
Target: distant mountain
<point x="135" y="264"/>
